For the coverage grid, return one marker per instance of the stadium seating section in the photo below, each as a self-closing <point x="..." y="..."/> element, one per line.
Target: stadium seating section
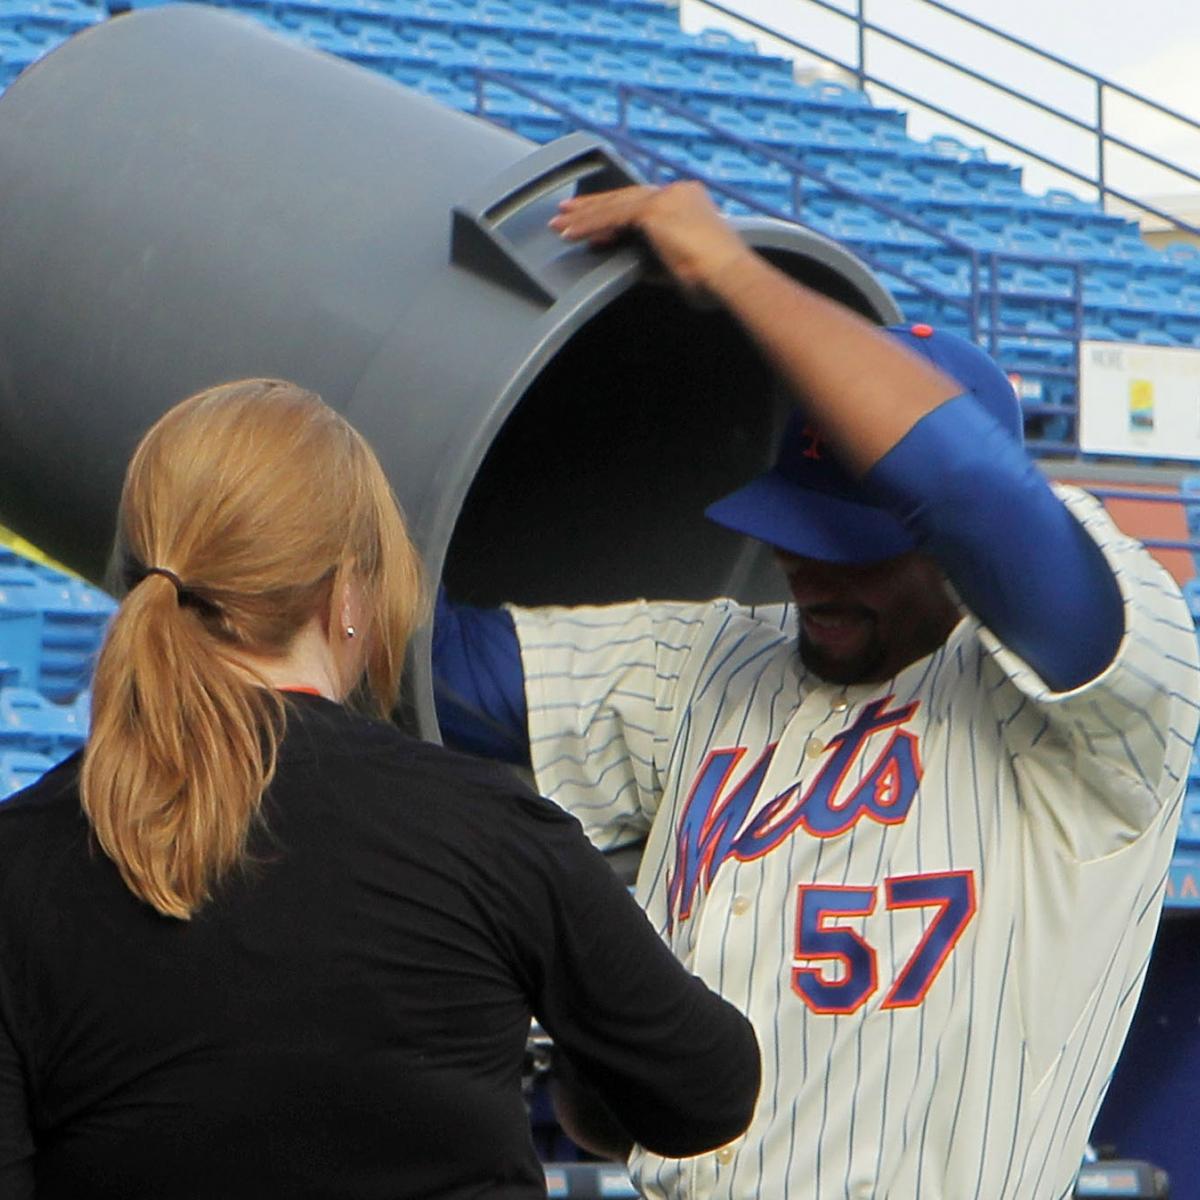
<point x="51" y="625"/>
<point x="1027" y="274"/>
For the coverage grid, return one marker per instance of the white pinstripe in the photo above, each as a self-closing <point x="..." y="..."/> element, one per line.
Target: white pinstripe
<point x="1061" y="807"/>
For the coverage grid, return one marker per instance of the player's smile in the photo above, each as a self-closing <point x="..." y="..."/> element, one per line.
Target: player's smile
<point x="840" y="642"/>
<point x="837" y="628"/>
<point x="862" y="623"/>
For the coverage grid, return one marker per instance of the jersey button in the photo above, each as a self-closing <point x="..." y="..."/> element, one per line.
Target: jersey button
<point x="839" y="705"/>
<point x="740" y="905"/>
<point x="725" y="1155"/>
<point x="814" y="748"/>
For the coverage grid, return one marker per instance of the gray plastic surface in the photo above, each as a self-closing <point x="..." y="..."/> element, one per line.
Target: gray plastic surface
<point x="187" y="198"/>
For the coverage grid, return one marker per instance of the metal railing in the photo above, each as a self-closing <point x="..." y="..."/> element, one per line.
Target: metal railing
<point x="1096" y="127"/>
<point x="981" y="304"/>
<point x="1187" y="500"/>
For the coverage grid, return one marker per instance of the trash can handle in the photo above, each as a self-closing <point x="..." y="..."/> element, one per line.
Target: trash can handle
<point x="476" y="239"/>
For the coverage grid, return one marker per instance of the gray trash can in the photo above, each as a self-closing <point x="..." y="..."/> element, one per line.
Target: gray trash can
<point x="187" y="198"/>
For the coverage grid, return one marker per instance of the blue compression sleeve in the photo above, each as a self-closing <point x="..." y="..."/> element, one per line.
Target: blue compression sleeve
<point x="479" y="682"/>
<point x="1017" y="557"/>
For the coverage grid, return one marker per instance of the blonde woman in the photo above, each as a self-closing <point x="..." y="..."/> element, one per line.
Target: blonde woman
<point x="254" y="944"/>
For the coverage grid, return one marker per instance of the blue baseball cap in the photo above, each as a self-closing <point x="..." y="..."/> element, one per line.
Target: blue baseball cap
<point x="809" y="505"/>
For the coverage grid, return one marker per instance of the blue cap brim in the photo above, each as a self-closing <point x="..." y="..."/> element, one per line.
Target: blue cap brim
<point x="809" y="523"/>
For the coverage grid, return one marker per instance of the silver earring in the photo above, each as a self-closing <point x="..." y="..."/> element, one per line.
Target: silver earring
<point x="349" y="631"/>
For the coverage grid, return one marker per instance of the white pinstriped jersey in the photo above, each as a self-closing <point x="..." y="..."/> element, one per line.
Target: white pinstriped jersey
<point x="935" y="897"/>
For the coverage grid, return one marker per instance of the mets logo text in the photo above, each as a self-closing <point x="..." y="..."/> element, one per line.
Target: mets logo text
<point x="714" y="826"/>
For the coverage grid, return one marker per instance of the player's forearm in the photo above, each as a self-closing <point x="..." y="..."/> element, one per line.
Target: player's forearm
<point x="479" y="682"/>
<point x="862" y="389"/>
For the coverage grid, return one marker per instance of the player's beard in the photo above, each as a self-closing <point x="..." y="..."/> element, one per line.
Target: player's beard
<point x="863" y="663"/>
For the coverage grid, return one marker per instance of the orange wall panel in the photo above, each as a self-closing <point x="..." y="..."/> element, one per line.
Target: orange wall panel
<point x="1153" y="519"/>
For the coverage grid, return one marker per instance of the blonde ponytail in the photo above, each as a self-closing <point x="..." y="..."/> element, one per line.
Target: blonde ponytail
<point x="244" y="508"/>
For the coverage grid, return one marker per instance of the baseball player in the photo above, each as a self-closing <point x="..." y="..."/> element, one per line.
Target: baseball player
<point x="916" y="823"/>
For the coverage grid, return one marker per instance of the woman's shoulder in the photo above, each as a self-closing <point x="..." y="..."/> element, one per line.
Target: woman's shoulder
<point x="41" y="824"/>
<point x="54" y="798"/>
<point x="385" y="760"/>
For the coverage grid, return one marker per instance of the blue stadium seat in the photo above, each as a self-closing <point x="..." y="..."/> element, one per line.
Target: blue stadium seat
<point x="900" y="184"/>
<point x="1148" y="296"/>
<point x="951" y="193"/>
<point x="314" y="31"/>
<point x="1126" y="323"/>
<point x="16" y="53"/>
<point x="832" y="94"/>
<point x="900" y="233"/>
<point x="1019" y="277"/>
<point x="1108" y="228"/>
<point x="672" y="73"/>
<point x="845" y="135"/>
<point x="950" y="283"/>
<point x="1185" y="329"/>
<point x="849" y="176"/>
<point x="1113" y="273"/>
<point x="504" y="14"/>
<point x="940" y="158"/>
<point x="1185" y="255"/>
<point x="1080" y="244"/>
<point x="1024" y="239"/>
<point x="1131" y="248"/>
<point x="861" y="226"/>
<point x="23" y="597"/>
<point x="449" y="11"/>
<point x="609" y="66"/>
<point x="732" y="120"/>
<point x="946" y="146"/>
<point x="594" y="99"/>
<point x="900" y="288"/>
<point x="722" y="39"/>
<point x="435" y="46"/>
<point x="447" y="92"/>
<point x="51" y="627"/>
<point x="1098" y="291"/>
<point x="717" y="76"/>
<point x="649" y="17"/>
<point x="1035" y="353"/>
<point x="1070" y="209"/>
<point x="767" y="85"/>
<point x="59" y="17"/>
<point x="1155" y="337"/>
<point x="376" y="45"/>
<point x="30" y="722"/>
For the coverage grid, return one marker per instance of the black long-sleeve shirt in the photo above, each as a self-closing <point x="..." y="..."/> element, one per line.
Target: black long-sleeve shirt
<point x="347" y="1017"/>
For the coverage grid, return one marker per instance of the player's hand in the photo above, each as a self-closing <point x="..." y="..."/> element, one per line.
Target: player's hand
<point x="680" y="222"/>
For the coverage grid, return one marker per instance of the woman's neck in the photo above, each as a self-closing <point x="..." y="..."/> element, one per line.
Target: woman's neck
<point x="307" y="665"/>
